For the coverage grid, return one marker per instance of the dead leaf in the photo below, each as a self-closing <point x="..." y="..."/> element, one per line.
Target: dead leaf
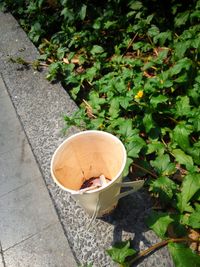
<point x="65" y="60"/>
<point x="89" y="110"/>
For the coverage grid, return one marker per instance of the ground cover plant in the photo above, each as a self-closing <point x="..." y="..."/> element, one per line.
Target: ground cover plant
<point x="133" y="69"/>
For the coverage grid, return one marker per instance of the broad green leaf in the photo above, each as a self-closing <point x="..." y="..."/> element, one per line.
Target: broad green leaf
<point x="181" y="205"/>
<point x="97" y="123"/>
<point x="194" y="220"/>
<point x="163" y="165"/>
<point x="133" y="148"/>
<point x="183" y="256"/>
<point x="181" y="78"/>
<point x="130" y="14"/>
<point x="153" y="31"/>
<point x="147" y="65"/>
<point x="150" y="85"/>
<point x="120" y="86"/>
<point x="181" y="136"/>
<point x="109" y="24"/>
<point x="36" y="32"/>
<point x="95" y="102"/>
<point x="82" y="12"/>
<point x="53" y="71"/>
<point x="124" y="102"/>
<point x="148" y="122"/>
<point x="196" y="42"/>
<point x="97" y="24"/>
<point x="163" y="54"/>
<point x="182" y="158"/>
<point x="183" y="107"/>
<point x="181" y="18"/>
<point x="97" y="49"/>
<point x="158" y="100"/>
<point x="190" y="185"/>
<point x="159" y="222"/>
<point x="136" y="5"/>
<point x="120" y="252"/>
<point x="155" y="146"/>
<point x="183" y="63"/>
<point x="181" y="48"/>
<point x="90" y="74"/>
<point x="149" y="18"/>
<point x="126" y="128"/>
<point x="61" y="52"/>
<point x="194" y="151"/>
<point x="195" y="119"/>
<point x="184" y="218"/>
<point x="95" y="99"/>
<point x="165" y="187"/>
<point x="198" y="5"/>
<point x="129" y="161"/>
<point x="75" y="91"/>
<point x="68" y="14"/>
<point x="194" y="93"/>
<point x="162" y="37"/>
<point x="197" y="206"/>
<point x="114" y="108"/>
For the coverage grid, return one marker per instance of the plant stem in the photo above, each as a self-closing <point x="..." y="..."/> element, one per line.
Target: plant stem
<point x="159" y="245"/>
<point x="167" y="148"/>
<point x="172" y="119"/>
<point x="139" y="167"/>
<point x="130" y="43"/>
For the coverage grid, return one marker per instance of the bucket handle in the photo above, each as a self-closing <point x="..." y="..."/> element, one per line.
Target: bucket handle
<point x="136" y="185"/>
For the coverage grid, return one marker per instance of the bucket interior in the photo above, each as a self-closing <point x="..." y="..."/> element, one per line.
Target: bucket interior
<point x="85" y="156"/>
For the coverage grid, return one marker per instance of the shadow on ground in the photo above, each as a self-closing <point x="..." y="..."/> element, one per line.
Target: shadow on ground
<point x="129" y="216"/>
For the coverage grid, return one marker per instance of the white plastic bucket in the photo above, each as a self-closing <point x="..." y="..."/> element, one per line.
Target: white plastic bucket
<point x="90" y="154"/>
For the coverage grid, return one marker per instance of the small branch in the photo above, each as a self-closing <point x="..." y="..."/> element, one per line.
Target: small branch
<point x="193" y="139"/>
<point x="129" y="45"/>
<point x="164" y="143"/>
<point x="139" y="167"/>
<point x="176" y="35"/>
<point x="43" y="64"/>
<point x="167" y="148"/>
<point x="159" y="245"/>
<point x="172" y="119"/>
<point x="151" y="41"/>
<point x="89" y="110"/>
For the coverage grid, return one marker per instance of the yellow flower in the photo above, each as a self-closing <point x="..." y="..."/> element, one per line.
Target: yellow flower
<point x="139" y="95"/>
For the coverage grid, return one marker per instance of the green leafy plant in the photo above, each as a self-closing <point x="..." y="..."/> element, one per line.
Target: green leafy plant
<point x="133" y="69"/>
<point x="121" y="251"/>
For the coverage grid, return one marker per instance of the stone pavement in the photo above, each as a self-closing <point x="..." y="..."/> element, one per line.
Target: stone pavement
<point x="40" y="106"/>
<point x="30" y="232"/>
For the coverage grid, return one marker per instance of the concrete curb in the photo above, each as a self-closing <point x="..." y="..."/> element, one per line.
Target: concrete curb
<point x="40" y="106"/>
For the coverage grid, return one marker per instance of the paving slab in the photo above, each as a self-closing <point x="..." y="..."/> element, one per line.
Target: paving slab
<point x="24" y="212"/>
<point x="3" y="91"/>
<point x="1" y="261"/>
<point x="11" y="134"/>
<point x="17" y="168"/>
<point x="35" y="251"/>
<point x="40" y="106"/>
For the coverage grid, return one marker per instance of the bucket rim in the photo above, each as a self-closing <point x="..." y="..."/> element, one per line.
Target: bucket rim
<point x="77" y="192"/>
